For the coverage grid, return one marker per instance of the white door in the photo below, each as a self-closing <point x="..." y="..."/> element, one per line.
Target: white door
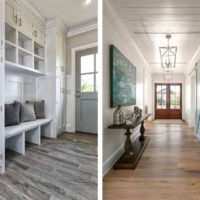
<point x="38" y="34"/>
<point x="25" y="23"/>
<point x="2" y="75"/>
<point x="86" y="90"/>
<point x="11" y="13"/>
<point x="58" y="103"/>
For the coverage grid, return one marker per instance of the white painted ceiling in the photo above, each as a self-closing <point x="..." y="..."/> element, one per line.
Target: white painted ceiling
<point x="150" y="20"/>
<point x="72" y="12"/>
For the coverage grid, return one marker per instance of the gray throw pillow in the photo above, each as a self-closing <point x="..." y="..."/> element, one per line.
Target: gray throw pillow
<point x="12" y="112"/>
<point x="27" y="112"/>
<point x="39" y="108"/>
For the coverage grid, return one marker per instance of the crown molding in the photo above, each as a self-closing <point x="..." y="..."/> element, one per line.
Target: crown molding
<point x="83" y="28"/>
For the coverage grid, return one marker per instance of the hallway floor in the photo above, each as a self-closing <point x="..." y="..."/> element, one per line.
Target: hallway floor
<point x="168" y="170"/>
<point x="62" y="169"/>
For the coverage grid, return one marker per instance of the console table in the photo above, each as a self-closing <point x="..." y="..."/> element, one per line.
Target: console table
<point x="133" y="151"/>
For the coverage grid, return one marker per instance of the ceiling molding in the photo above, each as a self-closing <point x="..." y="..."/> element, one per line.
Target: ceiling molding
<point x="83" y="28"/>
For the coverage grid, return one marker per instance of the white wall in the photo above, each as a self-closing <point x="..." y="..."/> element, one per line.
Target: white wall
<point x="116" y="33"/>
<point x="190" y="99"/>
<point x="176" y="78"/>
<point x="79" y="40"/>
<point x="190" y="74"/>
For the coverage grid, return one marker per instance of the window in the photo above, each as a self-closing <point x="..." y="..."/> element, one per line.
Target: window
<point x="89" y="71"/>
<point x="161" y="96"/>
<point x="175" y="97"/>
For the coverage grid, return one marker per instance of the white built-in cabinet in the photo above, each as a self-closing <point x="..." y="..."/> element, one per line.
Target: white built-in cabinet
<point x="25" y="40"/>
<point x="56" y="62"/>
<point x="32" y="64"/>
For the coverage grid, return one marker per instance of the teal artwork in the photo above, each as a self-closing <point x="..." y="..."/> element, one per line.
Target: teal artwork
<point x="122" y="79"/>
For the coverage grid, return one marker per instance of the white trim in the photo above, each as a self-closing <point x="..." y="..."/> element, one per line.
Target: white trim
<point x="71" y="91"/>
<point x="76" y="30"/>
<point x="107" y="165"/>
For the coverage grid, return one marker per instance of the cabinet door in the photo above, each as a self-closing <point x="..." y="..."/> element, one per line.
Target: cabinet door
<point x="63" y="56"/>
<point x="63" y="103"/>
<point x="58" y="103"/>
<point x="25" y="23"/>
<point x="39" y="34"/>
<point x="58" y="53"/>
<point x="11" y="13"/>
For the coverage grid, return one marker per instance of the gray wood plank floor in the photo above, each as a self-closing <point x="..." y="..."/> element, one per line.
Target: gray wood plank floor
<point x="60" y="169"/>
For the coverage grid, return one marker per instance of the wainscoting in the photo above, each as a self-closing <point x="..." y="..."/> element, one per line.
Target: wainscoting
<point x="60" y="169"/>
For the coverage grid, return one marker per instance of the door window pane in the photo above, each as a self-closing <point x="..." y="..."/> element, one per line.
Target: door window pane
<point x="97" y="63"/>
<point x="161" y="97"/>
<point x="175" y="97"/>
<point x="87" y="83"/>
<point x="87" y="64"/>
<point x="97" y="76"/>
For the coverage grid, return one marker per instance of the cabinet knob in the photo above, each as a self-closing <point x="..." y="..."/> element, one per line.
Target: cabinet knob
<point x="16" y="19"/>
<point x="20" y="22"/>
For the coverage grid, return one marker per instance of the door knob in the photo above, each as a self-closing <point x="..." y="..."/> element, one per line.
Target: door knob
<point x="78" y="93"/>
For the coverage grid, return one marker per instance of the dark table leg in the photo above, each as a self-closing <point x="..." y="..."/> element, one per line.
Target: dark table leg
<point x="128" y="144"/>
<point x="142" y="130"/>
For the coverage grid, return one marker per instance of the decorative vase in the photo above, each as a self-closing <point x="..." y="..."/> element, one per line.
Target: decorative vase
<point x="119" y="116"/>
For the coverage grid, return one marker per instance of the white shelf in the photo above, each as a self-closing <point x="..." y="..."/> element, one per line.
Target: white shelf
<point x="10" y="43"/>
<point x="38" y="57"/>
<point x="16" y="68"/>
<point x="22" y="53"/>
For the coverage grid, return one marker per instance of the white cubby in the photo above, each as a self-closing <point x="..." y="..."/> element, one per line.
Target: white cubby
<point x="25" y="42"/>
<point x="22" y="53"/>
<point x="10" y="52"/>
<point x="10" y="34"/>
<point x="25" y="58"/>
<point x="39" y="63"/>
<point x="38" y="50"/>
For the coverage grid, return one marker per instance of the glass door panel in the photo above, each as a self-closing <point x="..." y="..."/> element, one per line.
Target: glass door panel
<point x="161" y="97"/>
<point x="175" y="96"/>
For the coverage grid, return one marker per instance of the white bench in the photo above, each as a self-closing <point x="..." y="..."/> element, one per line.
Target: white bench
<point x="17" y="135"/>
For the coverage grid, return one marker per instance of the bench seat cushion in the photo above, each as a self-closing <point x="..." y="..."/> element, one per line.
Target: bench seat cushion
<point x="24" y="126"/>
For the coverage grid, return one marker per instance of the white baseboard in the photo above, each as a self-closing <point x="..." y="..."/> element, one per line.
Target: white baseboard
<point x="107" y="165"/>
<point x="69" y="128"/>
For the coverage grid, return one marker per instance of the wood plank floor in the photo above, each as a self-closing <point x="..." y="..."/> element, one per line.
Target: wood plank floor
<point x="60" y="169"/>
<point x="168" y="170"/>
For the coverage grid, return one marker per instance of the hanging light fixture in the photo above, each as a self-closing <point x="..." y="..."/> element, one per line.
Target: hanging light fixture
<point x="168" y="56"/>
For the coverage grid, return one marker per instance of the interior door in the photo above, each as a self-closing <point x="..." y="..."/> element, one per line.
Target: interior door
<point x="11" y="13"/>
<point x="86" y="90"/>
<point x="168" y="101"/>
